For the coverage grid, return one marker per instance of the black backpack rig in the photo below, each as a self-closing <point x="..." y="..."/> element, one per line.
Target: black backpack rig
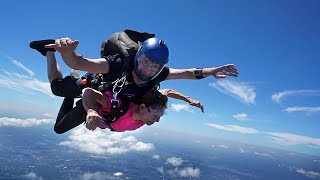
<point x="121" y="46"/>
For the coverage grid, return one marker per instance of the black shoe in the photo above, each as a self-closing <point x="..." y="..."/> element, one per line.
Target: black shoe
<point x="39" y="46"/>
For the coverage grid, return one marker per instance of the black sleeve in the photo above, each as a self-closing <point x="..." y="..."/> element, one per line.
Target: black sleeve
<point x="116" y="65"/>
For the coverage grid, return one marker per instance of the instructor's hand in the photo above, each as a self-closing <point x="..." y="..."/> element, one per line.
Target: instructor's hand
<point x="225" y="70"/>
<point x="64" y="45"/>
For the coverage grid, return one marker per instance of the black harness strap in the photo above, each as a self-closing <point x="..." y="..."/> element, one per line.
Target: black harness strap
<point x="116" y="112"/>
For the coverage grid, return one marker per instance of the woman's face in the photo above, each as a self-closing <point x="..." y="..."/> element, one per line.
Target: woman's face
<point x="151" y="116"/>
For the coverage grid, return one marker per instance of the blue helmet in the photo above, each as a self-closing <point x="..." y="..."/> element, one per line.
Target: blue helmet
<point x="153" y="54"/>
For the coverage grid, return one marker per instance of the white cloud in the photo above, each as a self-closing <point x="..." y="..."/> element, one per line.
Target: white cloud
<point x="101" y="142"/>
<point x="262" y="154"/>
<point x="189" y="172"/>
<point x="32" y="176"/>
<point x="160" y="169"/>
<point x="180" y="107"/>
<point x="241" y="116"/>
<point x="118" y="174"/>
<point x="97" y="176"/>
<point x="277" y="97"/>
<point x="48" y="115"/>
<point x="234" y="128"/>
<point x="23" y="83"/>
<point x="185" y="172"/>
<point x="242" y="150"/>
<point x="212" y="115"/>
<point x="241" y="91"/>
<point x="14" y="122"/>
<point x="19" y="64"/>
<point x="292" y="139"/>
<point x="310" y="174"/>
<point x="305" y="109"/>
<point x="276" y="137"/>
<point x="156" y="157"/>
<point x="175" y="161"/>
<point x="223" y="146"/>
<point x="312" y="146"/>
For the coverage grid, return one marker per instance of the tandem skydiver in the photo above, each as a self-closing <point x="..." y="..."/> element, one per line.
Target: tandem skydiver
<point x="142" y="67"/>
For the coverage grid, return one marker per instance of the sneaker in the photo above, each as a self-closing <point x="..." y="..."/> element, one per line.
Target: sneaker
<point x="39" y="46"/>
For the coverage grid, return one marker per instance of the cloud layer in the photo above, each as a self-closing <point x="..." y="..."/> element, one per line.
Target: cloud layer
<point x="181" y="107"/>
<point x="241" y="116"/>
<point x="310" y="174"/>
<point x="174" y="161"/>
<point x="292" y="139"/>
<point x="14" y="122"/>
<point x="23" y="83"/>
<point x="100" y="176"/>
<point x="234" y="128"/>
<point x="303" y="109"/>
<point x="241" y="91"/>
<point x="279" y="96"/>
<point x="19" y="64"/>
<point x="31" y="176"/>
<point x="101" y="142"/>
<point x="276" y="137"/>
<point x="185" y="172"/>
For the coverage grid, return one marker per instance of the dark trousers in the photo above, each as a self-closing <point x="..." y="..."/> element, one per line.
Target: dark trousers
<point x="68" y="117"/>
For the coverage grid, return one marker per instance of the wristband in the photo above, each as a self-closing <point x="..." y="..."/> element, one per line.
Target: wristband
<point x="198" y="73"/>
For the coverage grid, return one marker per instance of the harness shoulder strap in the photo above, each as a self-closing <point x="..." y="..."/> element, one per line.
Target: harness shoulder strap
<point x="116" y="112"/>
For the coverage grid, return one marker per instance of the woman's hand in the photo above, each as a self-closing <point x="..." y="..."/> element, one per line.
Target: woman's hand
<point x="93" y="120"/>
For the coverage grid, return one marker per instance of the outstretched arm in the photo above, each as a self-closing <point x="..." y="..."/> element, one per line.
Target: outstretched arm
<point x="195" y="73"/>
<point x="177" y="95"/>
<point x="90" y="98"/>
<point x="66" y="47"/>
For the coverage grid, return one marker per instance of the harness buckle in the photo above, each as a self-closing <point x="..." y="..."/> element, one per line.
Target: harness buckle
<point x="114" y="100"/>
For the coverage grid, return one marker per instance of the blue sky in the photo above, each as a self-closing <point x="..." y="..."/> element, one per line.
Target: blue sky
<point x="274" y="102"/>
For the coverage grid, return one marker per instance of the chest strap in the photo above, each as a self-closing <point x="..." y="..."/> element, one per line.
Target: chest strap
<point x="116" y="112"/>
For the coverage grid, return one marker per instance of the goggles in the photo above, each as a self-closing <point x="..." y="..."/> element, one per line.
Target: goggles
<point x="158" y="112"/>
<point x="147" y="67"/>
